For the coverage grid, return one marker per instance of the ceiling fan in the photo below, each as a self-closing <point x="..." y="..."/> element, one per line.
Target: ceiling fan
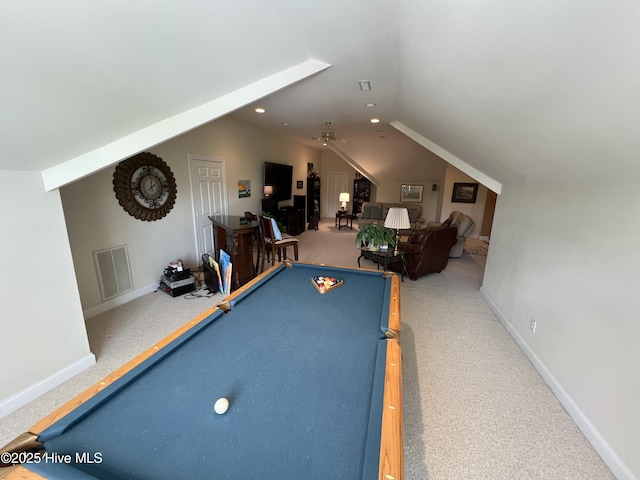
<point x="327" y="135"/>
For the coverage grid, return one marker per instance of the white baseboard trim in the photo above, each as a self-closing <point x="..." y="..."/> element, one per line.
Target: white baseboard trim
<point x="34" y="391"/>
<point x="121" y="300"/>
<point x="600" y="445"/>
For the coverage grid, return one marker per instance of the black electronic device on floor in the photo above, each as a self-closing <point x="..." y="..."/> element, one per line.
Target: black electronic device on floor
<point x="177" y="287"/>
<point x="174" y="274"/>
<point x="177" y="280"/>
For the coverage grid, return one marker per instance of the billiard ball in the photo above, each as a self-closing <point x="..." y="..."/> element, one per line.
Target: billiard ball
<point x="221" y="406"/>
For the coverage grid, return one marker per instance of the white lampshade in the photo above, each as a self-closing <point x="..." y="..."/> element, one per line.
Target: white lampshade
<point x="268" y="190"/>
<point x="397" y="218"/>
<point x="344" y="198"/>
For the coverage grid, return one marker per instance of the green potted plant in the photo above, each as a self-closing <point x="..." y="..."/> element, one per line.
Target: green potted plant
<point x="374" y="235"/>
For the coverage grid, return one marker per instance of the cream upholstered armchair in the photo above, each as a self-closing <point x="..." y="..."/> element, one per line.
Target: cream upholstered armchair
<point x="465" y="226"/>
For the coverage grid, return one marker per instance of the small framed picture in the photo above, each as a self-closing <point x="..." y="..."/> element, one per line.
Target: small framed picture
<point x="464" y="192"/>
<point x="411" y="193"/>
<point x="244" y="188"/>
<point x="299" y="183"/>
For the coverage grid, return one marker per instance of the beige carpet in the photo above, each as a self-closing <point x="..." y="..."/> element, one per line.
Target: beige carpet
<point x="474" y="407"/>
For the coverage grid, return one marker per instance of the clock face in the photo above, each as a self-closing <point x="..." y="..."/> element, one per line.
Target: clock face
<point x="145" y="186"/>
<point x="149" y="186"/>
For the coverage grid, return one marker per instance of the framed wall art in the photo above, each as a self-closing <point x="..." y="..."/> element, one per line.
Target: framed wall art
<point x="411" y="193"/>
<point x="464" y="192"/>
<point x="244" y="188"/>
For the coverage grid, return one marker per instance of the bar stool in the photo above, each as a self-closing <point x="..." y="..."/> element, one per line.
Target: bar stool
<point x="272" y="245"/>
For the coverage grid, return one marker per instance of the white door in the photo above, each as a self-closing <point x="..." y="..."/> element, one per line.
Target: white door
<point x="209" y="196"/>
<point x="336" y="184"/>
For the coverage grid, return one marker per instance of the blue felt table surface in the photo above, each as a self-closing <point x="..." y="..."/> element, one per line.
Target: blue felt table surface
<point x="298" y="368"/>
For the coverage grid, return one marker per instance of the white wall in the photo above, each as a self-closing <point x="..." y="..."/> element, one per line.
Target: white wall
<point x="414" y="165"/>
<point x="95" y="220"/>
<point x="422" y="172"/>
<point x="43" y="340"/>
<point x="567" y="256"/>
<point x="473" y="210"/>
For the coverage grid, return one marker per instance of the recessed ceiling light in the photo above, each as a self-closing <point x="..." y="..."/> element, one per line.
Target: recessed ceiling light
<point x="375" y="120"/>
<point x="260" y="110"/>
<point x="365" y="85"/>
<point x="284" y="124"/>
<point x="369" y="105"/>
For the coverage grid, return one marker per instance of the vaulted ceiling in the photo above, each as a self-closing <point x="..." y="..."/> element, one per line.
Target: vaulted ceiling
<point x="521" y="91"/>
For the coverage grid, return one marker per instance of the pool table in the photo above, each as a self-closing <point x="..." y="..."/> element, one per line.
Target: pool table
<point x="314" y="383"/>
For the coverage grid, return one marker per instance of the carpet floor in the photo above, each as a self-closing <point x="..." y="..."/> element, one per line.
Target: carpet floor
<point x="474" y="407"/>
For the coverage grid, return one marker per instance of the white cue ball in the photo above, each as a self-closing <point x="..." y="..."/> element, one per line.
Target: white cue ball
<point x="221" y="406"/>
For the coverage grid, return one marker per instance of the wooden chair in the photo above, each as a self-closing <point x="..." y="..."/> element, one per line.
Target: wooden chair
<point x="250" y="216"/>
<point x="271" y="244"/>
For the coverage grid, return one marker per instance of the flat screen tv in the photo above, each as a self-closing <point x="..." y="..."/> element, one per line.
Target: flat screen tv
<point x="280" y="177"/>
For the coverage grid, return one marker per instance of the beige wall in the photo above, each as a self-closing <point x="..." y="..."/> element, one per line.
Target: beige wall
<point x="567" y="257"/>
<point x="473" y="210"/>
<point x="96" y="221"/>
<point x="43" y="340"/>
<point x="436" y="205"/>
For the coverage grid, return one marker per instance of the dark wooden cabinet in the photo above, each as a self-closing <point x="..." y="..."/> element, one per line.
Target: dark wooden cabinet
<point x="235" y="235"/>
<point x="270" y="205"/>
<point x="313" y="196"/>
<point x="300" y="203"/>
<point x="292" y="219"/>
<point x="361" y="193"/>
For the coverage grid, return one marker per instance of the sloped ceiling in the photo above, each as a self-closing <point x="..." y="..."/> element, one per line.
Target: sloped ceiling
<point x="540" y="91"/>
<point x="543" y="90"/>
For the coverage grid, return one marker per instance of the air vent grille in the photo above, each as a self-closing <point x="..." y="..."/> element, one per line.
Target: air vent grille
<point x="114" y="272"/>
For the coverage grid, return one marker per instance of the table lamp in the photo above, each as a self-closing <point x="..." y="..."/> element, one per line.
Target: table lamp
<point x="268" y="191"/>
<point x="397" y="218"/>
<point x="344" y="198"/>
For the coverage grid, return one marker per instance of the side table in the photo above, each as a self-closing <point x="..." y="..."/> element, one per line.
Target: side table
<point x="384" y="257"/>
<point x="348" y="217"/>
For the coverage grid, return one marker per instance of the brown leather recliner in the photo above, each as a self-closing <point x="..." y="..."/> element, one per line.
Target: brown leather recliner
<point x="427" y="251"/>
